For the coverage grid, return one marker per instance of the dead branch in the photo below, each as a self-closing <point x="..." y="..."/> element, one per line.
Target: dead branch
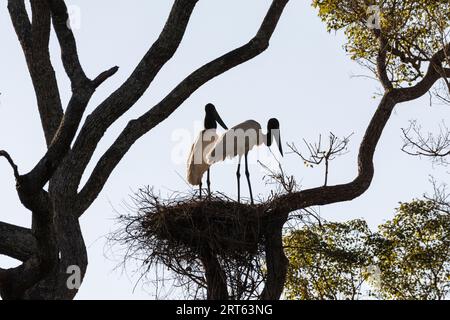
<point x="433" y="146"/>
<point x="279" y="179"/>
<point x="6" y="155"/>
<point x="317" y="153"/>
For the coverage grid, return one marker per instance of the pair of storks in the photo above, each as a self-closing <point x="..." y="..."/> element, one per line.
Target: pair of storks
<point x="238" y="141"/>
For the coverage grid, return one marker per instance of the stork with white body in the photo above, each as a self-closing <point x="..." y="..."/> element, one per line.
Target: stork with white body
<point x="197" y="164"/>
<point x="239" y="141"/>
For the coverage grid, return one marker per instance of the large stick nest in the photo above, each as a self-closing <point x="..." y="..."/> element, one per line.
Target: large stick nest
<point x="176" y="231"/>
<point x="215" y="224"/>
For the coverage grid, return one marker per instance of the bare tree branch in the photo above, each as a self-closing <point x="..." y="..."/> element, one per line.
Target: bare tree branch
<point x="69" y="52"/>
<point x="349" y="191"/>
<point x="317" y="154"/>
<point x="67" y="130"/>
<point x="137" y="128"/>
<point x="11" y="162"/>
<point x="66" y="39"/>
<point x="280" y="178"/>
<point x="34" y="39"/>
<point x="16" y="242"/>
<point x="102" y="77"/>
<point x="436" y="147"/>
<point x="382" y="69"/>
<point x="433" y="74"/>
<point x="83" y="89"/>
<point x="131" y="90"/>
<point x="21" y="22"/>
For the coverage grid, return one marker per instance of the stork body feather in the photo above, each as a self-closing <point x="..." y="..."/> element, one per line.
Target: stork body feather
<point x="237" y="141"/>
<point x="197" y="164"/>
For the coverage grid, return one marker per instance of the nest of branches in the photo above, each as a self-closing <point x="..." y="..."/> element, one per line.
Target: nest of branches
<point x="178" y="231"/>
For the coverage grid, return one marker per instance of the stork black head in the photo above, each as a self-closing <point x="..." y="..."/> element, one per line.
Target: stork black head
<point x="212" y="118"/>
<point x="273" y="131"/>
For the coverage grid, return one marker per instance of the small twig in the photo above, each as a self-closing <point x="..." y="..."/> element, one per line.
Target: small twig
<point x="317" y="154"/>
<point x="104" y="76"/>
<point x="436" y="147"/>
<point x="6" y="155"/>
<point x="279" y="177"/>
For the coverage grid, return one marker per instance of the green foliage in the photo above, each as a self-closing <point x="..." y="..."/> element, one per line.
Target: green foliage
<point x="328" y="261"/>
<point x="414" y="30"/>
<point x="409" y="258"/>
<point x="415" y="260"/>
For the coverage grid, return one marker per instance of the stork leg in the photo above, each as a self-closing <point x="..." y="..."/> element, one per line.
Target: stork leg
<point x="208" y="182"/>
<point x="247" y="174"/>
<point x="238" y="175"/>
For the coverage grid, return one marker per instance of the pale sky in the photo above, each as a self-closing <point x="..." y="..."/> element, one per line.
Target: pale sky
<point x="304" y="79"/>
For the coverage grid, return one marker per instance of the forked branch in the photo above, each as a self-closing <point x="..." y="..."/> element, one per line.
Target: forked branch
<point x="319" y="154"/>
<point x="120" y="101"/>
<point x="436" y="147"/>
<point x="349" y="191"/>
<point x="137" y="128"/>
<point x="16" y="242"/>
<point x="34" y="38"/>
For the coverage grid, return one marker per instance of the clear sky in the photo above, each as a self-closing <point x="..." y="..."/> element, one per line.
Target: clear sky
<point x="304" y="79"/>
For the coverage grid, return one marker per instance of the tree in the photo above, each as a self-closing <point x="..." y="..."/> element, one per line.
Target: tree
<point x="415" y="258"/>
<point x="55" y="242"/>
<point x="407" y="60"/>
<point x="405" y="44"/>
<point x="408" y="258"/>
<point x="328" y="261"/>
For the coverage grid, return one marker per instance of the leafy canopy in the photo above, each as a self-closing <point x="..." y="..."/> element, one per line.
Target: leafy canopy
<point x="408" y="258"/>
<point x="415" y="260"/>
<point x="328" y="261"/>
<point x="414" y="29"/>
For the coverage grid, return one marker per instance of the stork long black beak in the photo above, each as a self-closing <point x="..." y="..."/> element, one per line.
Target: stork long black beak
<point x="277" y="137"/>
<point x="280" y="146"/>
<point x="220" y="121"/>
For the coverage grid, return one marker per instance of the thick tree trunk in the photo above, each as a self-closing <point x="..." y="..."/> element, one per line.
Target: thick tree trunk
<point x="61" y="249"/>
<point x="216" y="279"/>
<point x="277" y="263"/>
<point x="56" y="284"/>
<point x="72" y="257"/>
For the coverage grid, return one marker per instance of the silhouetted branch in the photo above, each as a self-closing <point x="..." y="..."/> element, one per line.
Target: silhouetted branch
<point x="66" y="39"/>
<point x="16" y="242"/>
<point x="434" y="146"/>
<point x="104" y="76"/>
<point x="442" y="91"/>
<point x="34" y="39"/>
<point x="125" y="97"/>
<point x="138" y="127"/>
<point x="318" y="153"/>
<point x="440" y="196"/>
<point x="349" y="191"/>
<point x="280" y="178"/>
<point x="11" y="162"/>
